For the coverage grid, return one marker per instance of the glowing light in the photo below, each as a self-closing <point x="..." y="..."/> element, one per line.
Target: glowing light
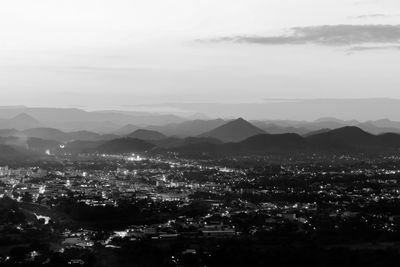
<point x="42" y="189"/>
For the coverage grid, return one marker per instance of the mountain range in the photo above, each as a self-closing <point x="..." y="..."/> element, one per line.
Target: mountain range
<point x="32" y="131"/>
<point x="55" y="134"/>
<point x="348" y="139"/>
<point x="73" y="119"/>
<point x="345" y="140"/>
<point x="125" y="122"/>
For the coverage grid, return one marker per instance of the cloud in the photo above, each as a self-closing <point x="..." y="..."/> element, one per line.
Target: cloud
<point x="328" y="35"/>
<point x="373" y="16"/>
<point x="367" y="16"/>
<point x="368" y="48"/>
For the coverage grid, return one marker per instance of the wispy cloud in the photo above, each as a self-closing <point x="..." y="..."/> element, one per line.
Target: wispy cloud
<point x="374" y="16"/>
<point x="368" y="48"/>
<point x="328" y="35"/>
<point x="368" y="16"/>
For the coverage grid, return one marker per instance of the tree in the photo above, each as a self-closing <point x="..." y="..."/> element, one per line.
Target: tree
<point x="27" y="197"/>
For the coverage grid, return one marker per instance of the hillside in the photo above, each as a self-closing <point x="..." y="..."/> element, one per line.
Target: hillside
<point x="347" y="139"/>
<point x="124" y="145"/>
<point x="146" y="135"/>
<point x="21" y="121"/>
<point x="234" y="131"/>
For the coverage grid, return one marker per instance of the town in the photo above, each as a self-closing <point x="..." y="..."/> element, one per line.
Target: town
<point x="69" y="212"/>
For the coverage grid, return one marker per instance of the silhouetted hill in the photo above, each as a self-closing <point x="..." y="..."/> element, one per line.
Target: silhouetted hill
<point x="79" y="146"/>
<point x="72" y="119"/>
<point x="188" y="128"/>
<point x="173" y="142"/>
<point x="234" y="131"/>
<point x="21" y="122"/>
<point x="264" y="143"/>
<point x="207" y="148"/>
<point x="196" y="140"/>
<point x="385" y="123"/>
<point x="336" y="120"/>
<point x="8" y="132"/>
<point x="341" y="138"/>
<point x="167" y="142"/>
<point x="371" y="128"/>
<point x="147" y="135"/>
<point x="304" y="127"/>
<point x="274" y="142"/>
<point x="41" y="145"/>
<point x="348" y="139"/>
<point x="90" y="136"/>
<point x="12" y="141"/>
<point x="390" y="140"/>
<point x="198" y="116"/>
<point x="105" y="127"/>
<point x="10" y="154"/>
<point x="127" y="129"/>
<point x="315" y="126"/>
<point x="84" y="135"/>
<point x="316" y="132"/>
<point x="47" y="133"/>
<point x="273" y="128"/>
<point x="124" y="145"/>
<point x="60" y="136"/>
<point x="109" y="137"/>
<point x="56" y="135"/>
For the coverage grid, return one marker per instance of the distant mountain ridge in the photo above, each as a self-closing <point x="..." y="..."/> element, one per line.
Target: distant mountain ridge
<point x="188" y="128"/>
<point x="146" y="135"/>
<point x="55" y="134"/>
<point x="73" y="119"/>
<point x="234" y="131"/>
<point x="273" y="128"/>
<point x="25" y="133"/>
<point x="345" y="140"/>
<point x="114" y="121"/>
<point x="21" y="121"/>
<point x="127" y="129"/>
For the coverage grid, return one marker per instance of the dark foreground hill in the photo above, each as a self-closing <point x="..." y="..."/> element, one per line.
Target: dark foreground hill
<point x="173" y="142"/>
<point x="128" y="145"/>
<point x="80" y="146"/>
<point x="10" y="154"/>
<point x="259" y="144"/>
<point x="146" y="135"/>
<point x="124" y="145"/>
<point x="343" y="140"/>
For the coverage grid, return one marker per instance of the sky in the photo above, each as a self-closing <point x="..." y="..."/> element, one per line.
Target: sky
<point x="101" y="54"/>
